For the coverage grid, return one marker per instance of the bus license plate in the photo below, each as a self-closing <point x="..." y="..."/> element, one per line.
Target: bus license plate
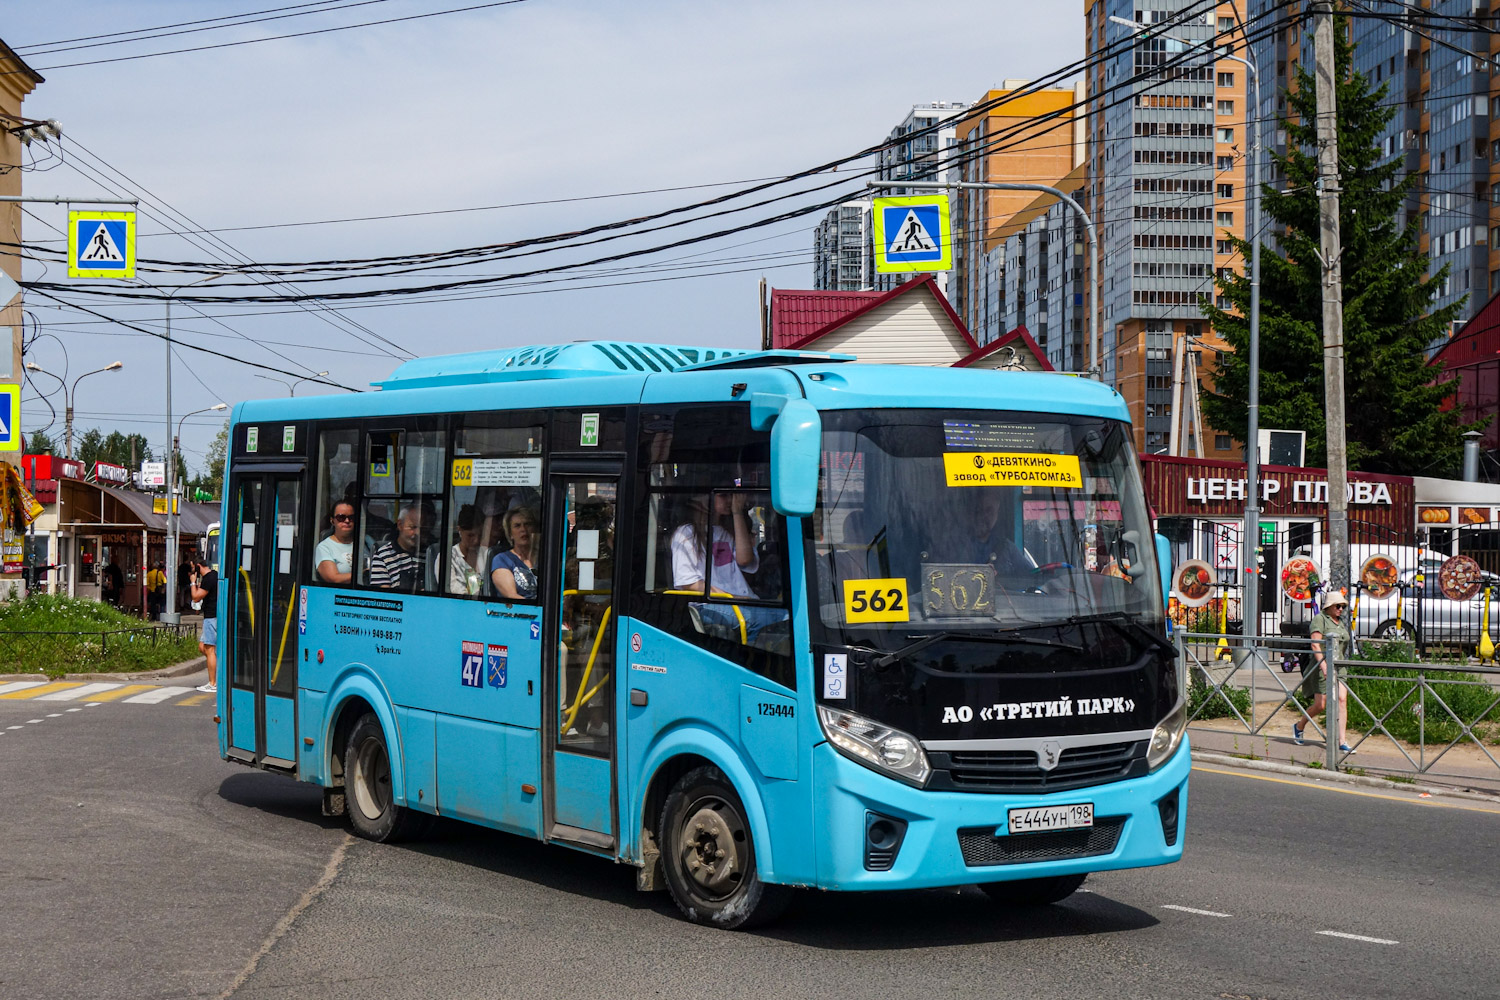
<point x="1069" y="817"/>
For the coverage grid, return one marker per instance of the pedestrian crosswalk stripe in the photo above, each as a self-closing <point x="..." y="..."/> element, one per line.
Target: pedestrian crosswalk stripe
<point x="86" y="690"/>
<point x="196" y="699"/>
<point x="124" y="692"/>
<point x="159" y="695"/>
<point x="33" y="692"/>
<point x="19" y="685"/>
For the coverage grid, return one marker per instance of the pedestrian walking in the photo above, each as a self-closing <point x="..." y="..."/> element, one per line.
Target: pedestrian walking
<point x="156" y="590"/>
<point x="206" y="589"/>
<point x="1330" y="642"/>
<point x="111" y="583"/>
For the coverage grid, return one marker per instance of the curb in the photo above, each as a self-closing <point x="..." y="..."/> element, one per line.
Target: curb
<point x="182" y="669"/>
<point x="1323" y="774"/>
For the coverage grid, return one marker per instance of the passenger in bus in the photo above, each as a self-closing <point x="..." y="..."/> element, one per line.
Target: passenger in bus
<point x="513" y="572"/>
<point x="468" y="560"/>
<point x="729" y="555"/>
<point x="334" y="555"/>
<point x="398" y="564"/>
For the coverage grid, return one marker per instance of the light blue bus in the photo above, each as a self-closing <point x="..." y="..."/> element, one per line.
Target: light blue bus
<point x="745" y="621"/>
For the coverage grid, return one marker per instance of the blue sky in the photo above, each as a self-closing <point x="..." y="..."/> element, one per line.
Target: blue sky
<point x="537" y="101"/>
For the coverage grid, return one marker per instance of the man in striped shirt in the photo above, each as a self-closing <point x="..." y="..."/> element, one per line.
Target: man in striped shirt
<point x="397" y="564"/>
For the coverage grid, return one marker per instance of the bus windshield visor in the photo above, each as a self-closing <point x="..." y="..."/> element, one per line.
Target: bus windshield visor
<point x="978" y="522"/>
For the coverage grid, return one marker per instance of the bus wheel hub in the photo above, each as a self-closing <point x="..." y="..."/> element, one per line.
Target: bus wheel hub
<point x="709" y="852"/>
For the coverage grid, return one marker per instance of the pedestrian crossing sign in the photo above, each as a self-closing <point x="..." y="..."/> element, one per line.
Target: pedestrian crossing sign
<point x="913" y="234"/>
<point x="101" y="244"/>
<point x="10" y="416"/>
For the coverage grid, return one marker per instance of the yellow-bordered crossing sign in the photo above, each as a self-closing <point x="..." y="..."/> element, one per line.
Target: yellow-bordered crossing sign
<point x="101" y="244"/>
<point x="10" y="416"/>
<point x="913" y="233"/>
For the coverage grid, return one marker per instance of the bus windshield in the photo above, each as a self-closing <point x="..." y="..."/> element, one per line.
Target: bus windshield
<point x="969" y="523"/>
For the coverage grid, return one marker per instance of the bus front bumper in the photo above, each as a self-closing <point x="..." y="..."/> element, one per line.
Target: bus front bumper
<point x="962" y="838"/>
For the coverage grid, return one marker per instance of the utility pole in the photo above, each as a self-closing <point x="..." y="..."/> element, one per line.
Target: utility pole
<point x="1333" y="329"/>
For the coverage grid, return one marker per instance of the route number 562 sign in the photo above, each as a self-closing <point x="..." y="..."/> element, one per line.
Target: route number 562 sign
<point x="876" y="601"/>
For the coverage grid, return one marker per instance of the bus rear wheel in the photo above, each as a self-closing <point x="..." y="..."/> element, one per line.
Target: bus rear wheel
<point x="1033" y="891"/>
<point x="373" y="812"/>
<point x="709" y="858"/>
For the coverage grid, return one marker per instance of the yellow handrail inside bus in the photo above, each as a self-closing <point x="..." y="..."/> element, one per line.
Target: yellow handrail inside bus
<point x="285" y="628"/>
<point x="738" y="614"/>
<point x="578" y="702"/>
<point x="249" y="597"/>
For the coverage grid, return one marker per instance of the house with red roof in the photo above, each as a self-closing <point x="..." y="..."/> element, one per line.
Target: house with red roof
<point x="912" y="324"/>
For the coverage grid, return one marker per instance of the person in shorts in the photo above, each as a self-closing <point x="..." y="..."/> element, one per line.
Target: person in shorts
<point x="206" y="589"/>
<point x="1330" y="642"/>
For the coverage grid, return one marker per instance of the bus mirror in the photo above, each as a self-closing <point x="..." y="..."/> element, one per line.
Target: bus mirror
<point x="1164" y="566"/>
<point x="796" y="447"/>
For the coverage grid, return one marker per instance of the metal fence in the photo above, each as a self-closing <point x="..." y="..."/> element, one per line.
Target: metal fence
<point x="1404" y="718"/>
<point x="32" y="652"/>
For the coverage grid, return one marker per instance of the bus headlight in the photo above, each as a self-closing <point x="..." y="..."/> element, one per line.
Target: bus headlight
<point x="876" y="746"/>
<point x="1166" y="736"/>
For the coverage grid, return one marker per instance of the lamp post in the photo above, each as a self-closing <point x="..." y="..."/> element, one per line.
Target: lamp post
<point x="1250" y="543"/>
<point x="170" y="616"/>
<point x="69" y="394"/>
<point x="291" y="387"/>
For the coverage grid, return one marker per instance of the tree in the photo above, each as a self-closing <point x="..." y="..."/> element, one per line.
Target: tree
<point x="212" y="479"/>
<point x="1392" y="396"/>
<point x="38" y="443"/>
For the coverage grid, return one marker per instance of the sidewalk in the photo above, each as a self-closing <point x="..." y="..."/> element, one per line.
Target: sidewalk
<point x="1464" y="767"/>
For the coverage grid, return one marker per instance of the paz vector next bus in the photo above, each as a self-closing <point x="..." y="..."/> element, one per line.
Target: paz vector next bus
<point x="746" y="621"/>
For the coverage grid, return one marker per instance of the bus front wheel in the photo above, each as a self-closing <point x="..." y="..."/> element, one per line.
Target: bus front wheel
<point x="709" y="858"/>
<point x="373" y="812"/>
<point x="1033" y="891"/>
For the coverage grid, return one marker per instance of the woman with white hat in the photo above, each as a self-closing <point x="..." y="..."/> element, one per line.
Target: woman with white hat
<point x="1330" y="642"/>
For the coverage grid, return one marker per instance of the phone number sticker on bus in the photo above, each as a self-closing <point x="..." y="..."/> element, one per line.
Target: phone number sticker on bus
<point x="1011" y="468"/>
<point x="876" y="601"/>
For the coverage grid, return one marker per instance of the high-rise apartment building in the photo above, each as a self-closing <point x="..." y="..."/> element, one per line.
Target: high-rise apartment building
<point x="1168" y="174"/>
<point x="1442" y="80"/>
<point x="1031" y="136"/>
<point x="843" y="243"/>
<point x="843" y="259"/>
<point x="1046" y="275"/>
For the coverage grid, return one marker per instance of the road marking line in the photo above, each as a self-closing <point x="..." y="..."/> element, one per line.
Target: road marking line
<point x="19" y="685"/>
<point x="15" y="727"/>
<point x="1325" y="787"/>
<point x="127" y="690"/>
<point x="87" y="689"/>
<point x="75" y="709"/>
<point x="54" y="715"/>
<point x="1189" y="909"/>
<point x="157" y="696"/>
<point x="196" y="699"/>
<point x="33" y="692"/>
<point x="32" y="722"/>
<point x="1358" y="937"/>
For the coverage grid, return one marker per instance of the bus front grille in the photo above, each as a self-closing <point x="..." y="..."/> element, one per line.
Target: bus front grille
<point x="1017" y="771"/>
<point x="981" y="848"/>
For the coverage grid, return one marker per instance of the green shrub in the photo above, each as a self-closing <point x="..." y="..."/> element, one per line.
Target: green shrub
<point x="1206" y="703"/>
<point x="1467" y="695"/>
<point x="59" y="635"/>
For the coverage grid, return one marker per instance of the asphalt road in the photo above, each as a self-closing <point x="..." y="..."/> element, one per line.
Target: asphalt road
<point x="136" y="864"/>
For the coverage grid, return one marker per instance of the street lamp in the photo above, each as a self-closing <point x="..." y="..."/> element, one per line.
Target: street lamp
<point x="70" y="394"/>
<point x="1250" y="602"/>
<point x="291" y="387"/>
<point x="170" y="617"/>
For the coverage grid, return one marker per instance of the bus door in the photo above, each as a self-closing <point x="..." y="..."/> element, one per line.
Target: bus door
<point x="579" y="658"/>
<point x="263" y="550"/>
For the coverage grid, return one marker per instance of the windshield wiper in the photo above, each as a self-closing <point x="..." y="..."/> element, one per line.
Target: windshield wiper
<point x="1006" y="636"/>
<point x="1123" y="622"/>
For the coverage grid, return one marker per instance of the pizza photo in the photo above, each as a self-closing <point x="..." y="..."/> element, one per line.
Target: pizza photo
<point x="1194" y="583"/>
<point x="1379" y="575"/>
<point x="1300" y="578"/>
<point x="1459" y="578"/>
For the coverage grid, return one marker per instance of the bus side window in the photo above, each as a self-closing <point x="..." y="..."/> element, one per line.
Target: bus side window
<point x="712" y="568"/>
<point x="337" y="507"/>
<point x="496" y="472"/>
<point x="403" y="515"/>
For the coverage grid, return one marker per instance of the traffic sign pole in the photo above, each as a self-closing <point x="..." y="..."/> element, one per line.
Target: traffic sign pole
<point x="1088" y="225"/>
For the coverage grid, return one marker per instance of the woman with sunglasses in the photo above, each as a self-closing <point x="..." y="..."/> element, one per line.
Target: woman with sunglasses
<point x="334" y="555"/>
